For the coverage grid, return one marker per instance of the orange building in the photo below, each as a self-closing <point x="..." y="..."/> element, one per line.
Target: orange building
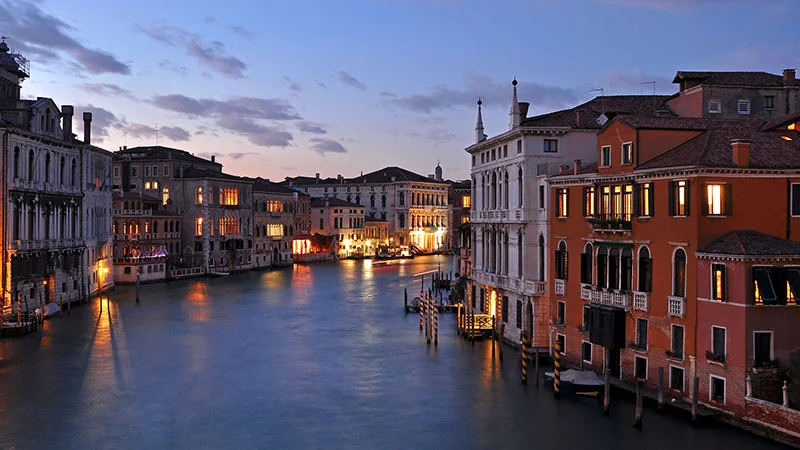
<point x="639" y="266"/>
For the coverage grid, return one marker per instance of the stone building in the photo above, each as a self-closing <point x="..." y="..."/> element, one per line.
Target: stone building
<point x="376" y="234"/>
<point x="275" y="209"/>
<point x="342" y="221"/>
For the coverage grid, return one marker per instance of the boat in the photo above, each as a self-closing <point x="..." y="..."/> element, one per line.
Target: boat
<point x="218" y="274"/>
<point x="583" y="382"/>
<point x="385" y="252"/>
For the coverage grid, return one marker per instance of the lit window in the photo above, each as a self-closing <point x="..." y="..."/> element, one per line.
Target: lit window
<point x="627" y="202"/>
<point x="550" y="146"/>
<point x="744" y="107"/>
<point x="198" y="227"/>
<point x="714" y="194"/>
<point x="155" y="183"/>
<point x="763" y="293"/>
<point x="588" y="201"/>
<point x="147" y="185"/>
<point x="147" y="226"/>
<point x="464" y="219"/>
<point x="165" y="196"/>
<point x="627" y="153"/>
<point x="199" y="196"/>
<point x="465" y="201"/>
<point x="718" y="282"/>
<point x="275" y="230"/>
<point x="561" y="210"/>
<point x="229" y="196"/>
<point x="646" y="200"/>
<point x="605" y="156"/>
<point x="679" y="198"/>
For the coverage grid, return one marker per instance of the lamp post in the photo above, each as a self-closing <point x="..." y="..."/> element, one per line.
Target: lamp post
<point x="138" y="271"/>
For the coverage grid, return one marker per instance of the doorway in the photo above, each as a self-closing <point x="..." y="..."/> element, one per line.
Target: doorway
<point x="613" y="363"/>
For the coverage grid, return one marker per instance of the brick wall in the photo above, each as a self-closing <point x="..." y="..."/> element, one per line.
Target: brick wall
<point x="774" y="416"/>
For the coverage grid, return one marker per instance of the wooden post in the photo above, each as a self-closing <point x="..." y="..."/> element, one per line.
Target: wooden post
<point x="421" y="308"/>
<point x="536" y="364"/>
<point x="557" y="370"/>
<point x="458" y="319"/>
<point x="785" y="389"/>
<point x="660" y="388"/>
<point x="500" y="339"/>
<point x="607" y="387"/>
<point x="436" y="325"/>
<point x="695" y="394"/>
<point x="524" y="356"/>
<point x="60" y="305"/>
<point x="405" y="299"/>
<point x="137" y="286"/>
<point x="494" y="341"/>
<point x="639" y="404"/>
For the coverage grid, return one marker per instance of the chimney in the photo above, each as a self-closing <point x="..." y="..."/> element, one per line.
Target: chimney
<point x="741" y="152"/>
<point x="563" y="168"/>
<point x="213" y="158"/>
<point x="576" y="167"/>
<point x="317" y="177"/>
<point x="788" y="77"/>
<point x="523" y="109"/>
<point x="579" y="117"/>
<point x="87" y="128"/>
<point x="67" y="111"/>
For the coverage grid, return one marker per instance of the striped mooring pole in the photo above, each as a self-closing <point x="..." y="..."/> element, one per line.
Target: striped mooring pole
<point x="428" y="319"/>
<point x="435" y="325"/>
<point x="557" y="370"/>
<point x="421" y="308"/>
<point x="524" y="356"/>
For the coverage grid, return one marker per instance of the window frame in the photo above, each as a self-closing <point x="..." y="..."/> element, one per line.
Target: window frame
<point x="793" y="212"/>
<point x="637" y="358"/>
<point x="563" y="338"/>
<point x="683" y="377"/>
<point x="605" y="153"/>
<point x="717" y="110"/>
<point x="627" y="157"/>
<point x="583" y="352"/>
<point x="639" y="340"/>
<point x="768" y="104"/>
<point x="561" y="313"/>
<point x="771" y="344"/>
<point x="672" y="335"/>
<point x="722" y="268"/>
<point x="589" y="201"/>
<point x="550" y="145"/>
<point x="724" y="343"/>
<point x="562" y="203"/>
<point x="743" y="111"/>
<point x="711" y="378"/>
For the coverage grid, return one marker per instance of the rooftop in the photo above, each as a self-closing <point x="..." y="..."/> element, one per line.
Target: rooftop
<point x="610" y="105"/>
<point x="159" y="152"/>
<point x="386" y="175"/>
<point x="750" y="243"/>
<point x="317" y="202"/>
<point x="760" y="79"/>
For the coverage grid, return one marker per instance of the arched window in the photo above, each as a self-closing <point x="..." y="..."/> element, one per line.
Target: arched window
<point x="30" y="165"/>
<point x="587" y="258"/>
<point x="541" y="258"/>
<point x="62" y="170"/>
<point x="613" y="268"/>
<point x="372" y="201"/>
<point x="383" y="201"/>
<point x="626" y="269"/>
<point x="602" y="266"/>
<point x="561" y="261"/>
<point x="73" y="173"/>
<point x="679" y="273"/>
<point x="519" y="188"/>
<point x="199" y="195"/>
<point x="645" y="270"/>
<point x="48" y="122"/>
<point x="493" y="191"/>
<point x="16" y="162"/>
<point x="520" y="247"/>
<point x="358" y="198"/>
<point x="401" y="198"/>
<point x="42" y="123"/>
<point x="505" y="191"/>
<point x="401" y="219"/>
<point x="114" y="227"/>
<point x="47" y="167"/>
<point x="155" y="227"/>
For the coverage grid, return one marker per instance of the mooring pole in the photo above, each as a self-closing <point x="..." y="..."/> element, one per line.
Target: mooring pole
<point x="557" y="370"/>
<point x="435" y="325"/>
<point x="500" y="339"/>
<point x="524" y="356"/>
<point x="607" y="387"/>
<point x="137" y="286"/>
<point x="695" y="394"/>
<point x="405" y="299"/>
<point x="639" y="404"/>
<point x="660" y="388"/>
<point x="536" y="364"/>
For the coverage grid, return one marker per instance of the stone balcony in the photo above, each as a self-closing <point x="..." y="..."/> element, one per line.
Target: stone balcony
<point x="45" y="244"/>
<point x="519" y="285"/>
<point x="602" y="296"/>
<point x="641" y="301"/>
<point x="560" y="287"/>
<point x="677" y="306"/>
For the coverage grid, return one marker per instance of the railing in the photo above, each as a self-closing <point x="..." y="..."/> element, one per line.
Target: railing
<point x="535" y="287"/>
<point x="611" y="222"/>
<point x="561" y="287"/>
<point x="674" y="355"/>
<point x="641" y="301"/>
<point x="676" y="306"/>
<point x="517" y="284"/>
<point x="44" y="244"/>
<point x="594" y="294"/>
<point x="131" y="212"/>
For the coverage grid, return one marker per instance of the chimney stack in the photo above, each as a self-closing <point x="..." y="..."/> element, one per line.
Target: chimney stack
<point x="523" y="109"/>
<point x="213" y="158"/>
<point x="576" y="167"/>
<point x="67" y="111"/>
<point x="788" y="77"/>
<point x="317" y="178"/>
<point x="579" y="117"/>
<point x="741" y="152"/>
<point x="87" y="128"/>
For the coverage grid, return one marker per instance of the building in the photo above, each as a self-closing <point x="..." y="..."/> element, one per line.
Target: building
<point x="509" y="217"/>
<point x="675" y="253"/>
<point x="147" y="238"/>
<point x="460" y="198"/>
<point x="55" y="237"/>
<point x="341" y="221"/>
<point x="301" y="244"/>
<point x="757" y="95"/>
<point x="275" y="210"/>
<point x="376" y="234"/>
<point x="415" y="206"/>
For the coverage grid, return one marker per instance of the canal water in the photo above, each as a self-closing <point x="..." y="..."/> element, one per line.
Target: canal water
<point x="318" y="356"/>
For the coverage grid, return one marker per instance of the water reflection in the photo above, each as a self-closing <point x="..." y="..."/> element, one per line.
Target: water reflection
<point x="197" y="297"/>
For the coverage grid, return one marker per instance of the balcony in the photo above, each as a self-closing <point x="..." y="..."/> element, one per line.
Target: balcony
<point x="535" y="288"/>
<point x="601" y="296"/>
<point x="611" y="223"/>
<point x="561" y="287"/>
<point x="641" y="301"/>
<point x="515" y="284"/>
<point x="674" y="355"/>
<point x="676" y="306"/>
<point x="715" y="357"/>
<point x="132" y="212"/>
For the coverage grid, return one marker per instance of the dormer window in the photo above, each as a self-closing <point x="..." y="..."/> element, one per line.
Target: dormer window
<point x="744" y="107"/>
<point x="605" y="156"/>
<point x="627" y="153"/>
<point x="714" y="107"/>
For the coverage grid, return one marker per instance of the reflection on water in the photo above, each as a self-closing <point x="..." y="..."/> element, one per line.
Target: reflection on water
<point x="319" y="356"/>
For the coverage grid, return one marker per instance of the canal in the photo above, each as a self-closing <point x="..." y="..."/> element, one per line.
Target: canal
<point x="318" y="356"/>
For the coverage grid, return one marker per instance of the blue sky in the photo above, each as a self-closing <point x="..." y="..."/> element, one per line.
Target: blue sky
<point x="281" y="88"/>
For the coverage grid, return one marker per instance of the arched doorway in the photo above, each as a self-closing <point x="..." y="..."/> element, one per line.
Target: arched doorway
<point x="528" y="324"/>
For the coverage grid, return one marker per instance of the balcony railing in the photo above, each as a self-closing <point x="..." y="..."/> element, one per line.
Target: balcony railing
<point x="516" y="284"/>
<point x="131" y="212"/>
<point x="595" y="294"/>
<point x="676" y="306"/>
<point x="561" y="287"/>
<point x="45" y="244"/>
<point x="641" y="301"/>
<point x="611" y="222"/>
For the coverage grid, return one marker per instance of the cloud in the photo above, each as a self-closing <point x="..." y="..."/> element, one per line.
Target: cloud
<point x="40" y="34"/>
<point x="168" y="65"/>
<point x="103" y="121"/>
<point x="242" y="31"/>
<point x="212" y="54"/>
<point x="310" y="127"/>
<point x="142" y="131"/>
<point x="255" y="107"/>
<point x="176" y="134"/>
<point x="325" y="145"/>
<point x="209" y="19"/>
<point x="350" y="80"/>
<point x="493" y="93"/>
<point x="635" y="82"/>
<point x="258" y="134"/>
<point x="107" y="90"/>
<point x="292" y="85"/>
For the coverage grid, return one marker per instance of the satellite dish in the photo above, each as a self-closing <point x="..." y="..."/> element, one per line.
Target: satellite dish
<point x="602" y="119"/>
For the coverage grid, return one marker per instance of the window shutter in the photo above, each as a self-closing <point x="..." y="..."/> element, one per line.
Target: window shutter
<point x="583" y="267"/>
<point x="566" y="202"/>
<point x="796" y="199"/>
<point x="671" y="198"/>
<point x="651" y="199"/>
<point x="704" y="207"/>
<point x="724" y="285"/>
<point x="728" y="193"/>
<point x="636" y="209"/>
<point x="566" y="264"/>
<point x="585" y="199"/>
<point x="558" y="263"/>
<point x="688" y="205"/>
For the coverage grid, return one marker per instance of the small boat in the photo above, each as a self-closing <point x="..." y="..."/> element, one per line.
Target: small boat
<point x="218" y="274"/>
<point x="583" y="382"/>
<point x="385" y="252"/>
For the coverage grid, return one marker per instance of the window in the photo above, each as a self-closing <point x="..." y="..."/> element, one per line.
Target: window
<point x="541" y="197"/>
<point x="560" y="313"/>
<point x="465" y="201"/>
<point x="792" y="286"/>
<point x="714" y="107"/>
<point x="587" y="318"/>
<point x="586" y="263"/>
<point x="16" y="162"/>
<point x="717" y="391"/>
<point x="769" y="102"/>
<point x="275" y="230"/>
<point x="155" y="185"/>
<point x="519" y="146"/>
<point x="165" y="170"/>
<point x="718" y="199"/>
<point x="718" y="287"/>
<point x="494" y="155"/>
<point x="744" y="107"/>
<point x="645" y="270"/>
<point x="796" y="199"/>
<point x="561" y="196"/>
<point x="198" y="226"/>
<point x="147" y="185"/>
<point x="519" y="314"/>
<point x="147" y="171"/>
<point x="679" y="273"/>
<point x="519" y="188"/>
<point x="561" y="261"/>
<point x="676" y="346"/>
<point x="562" y="343"/>
<point x="641" y="334"/>
<point x="134" y="171"/>
<point x="165" y="196"/>
<point x="676" y="377"/>
<point x="627" y="153"/>
<point x="30" y="165"/>
<point x="483" y="158"/>
<point x="640" y="367"/>
<point x="504" y="309"/>
<point x="505" y="151"/>
<point x="717" y="344"/>
<point x="550" y="146"/>
<point x="764" y="293"/>
<point x="229" y="196"/>
<point x="762" y="348"/>
<point x="199" y="196"/>
<point x="586" y="352"/>
<point x="588" y="201"/>
<point x="646" y="200"/>
<point x="605" y="156"/>
<point x="679" y="198"/>
<point x="127" y="270"/>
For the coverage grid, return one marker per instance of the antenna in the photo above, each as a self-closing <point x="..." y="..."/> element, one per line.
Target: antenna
<point x="602" y="94"/>
<point x="156" y="133"/>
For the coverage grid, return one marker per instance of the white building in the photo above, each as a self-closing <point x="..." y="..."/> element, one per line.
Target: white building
<point x="342" y="220"/>
<point x="416" y="207"/>
<point x="510" y="206"/>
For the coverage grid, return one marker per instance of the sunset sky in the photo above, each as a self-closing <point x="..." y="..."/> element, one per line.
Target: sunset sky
<point x="282" y="88"/>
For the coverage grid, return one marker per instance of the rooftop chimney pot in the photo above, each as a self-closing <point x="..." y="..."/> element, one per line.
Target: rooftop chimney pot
<point x="576" y="167"/>
<point x="523" y="109"/>
<point x="788" y="77"/>
<point x="67" y="111"/>
<point x="579" y="117"/>
<point x="740" y="149"/>
<point x="87" y="128"/>
<point x="213" y="158"/>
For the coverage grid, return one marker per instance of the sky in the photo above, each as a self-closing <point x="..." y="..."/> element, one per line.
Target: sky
<point x="285" y="88"/>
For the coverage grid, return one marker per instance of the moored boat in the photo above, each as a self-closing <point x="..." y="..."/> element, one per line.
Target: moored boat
<point x="583" y="382"/>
